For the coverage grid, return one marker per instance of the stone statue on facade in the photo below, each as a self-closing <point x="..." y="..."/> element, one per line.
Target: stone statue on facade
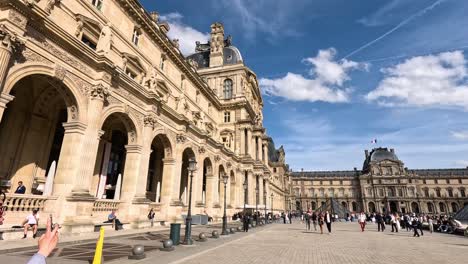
<point x="152" y="82"/>
<point x="105" y="40"/>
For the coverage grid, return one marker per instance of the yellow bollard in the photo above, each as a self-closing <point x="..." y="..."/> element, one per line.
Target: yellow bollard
<point x="98" y="254"/>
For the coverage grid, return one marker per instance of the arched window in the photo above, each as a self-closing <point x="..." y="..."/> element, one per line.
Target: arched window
<point x="450" y="192"/>
<point x="227" y="90"/>
<point x="438" y="192"/>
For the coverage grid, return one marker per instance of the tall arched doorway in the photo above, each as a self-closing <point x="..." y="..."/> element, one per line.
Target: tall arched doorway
<point x="442" y="207"/>
<point x="207" y="172"/>
<point x="32" y="131"/>
<point x="371" y="207"/>
<point x="314" y="205"/>
<point x="160" y="150"/>
<point x="111" y="156"/>
<point x="345" y="205"/>
<point x="393" y="207"/>
<point x="415" y="207"/>
<point x="430" y="207"/>
<point x="184" y="175"/>
<point x="454" y="207"/>
<point x="355" y="207"/>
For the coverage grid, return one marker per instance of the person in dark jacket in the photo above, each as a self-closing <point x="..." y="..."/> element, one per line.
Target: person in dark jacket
<point x="414" y="224"/>
<point x="246" y="223"/>
<point x="380" y="222"/>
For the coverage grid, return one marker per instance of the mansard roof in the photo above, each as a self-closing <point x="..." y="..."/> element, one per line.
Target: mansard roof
<point x="326" y="174"/>
<point x="440" y="172"/>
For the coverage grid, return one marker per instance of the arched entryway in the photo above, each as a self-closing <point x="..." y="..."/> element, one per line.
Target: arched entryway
<point x="32" y="131"/>
<point x="355" y="207"/>
<point x="415" y="207"/>
<point x="454" y="207"/>
<point x="187" y="155"/>
<point x="442" y="208"/>
<point x="207" y="172"/>
<point x="232" y="188"/>
<point x="112" y="153"/>
<point x="160" y="149"/>
<point x="393" y="207"/>
<point x="298" y="205"/>
<point x="314" y="205"/>
<point x="430" y="207"/>
<point x="371" y="207"/>
<point x="345" y="205"/>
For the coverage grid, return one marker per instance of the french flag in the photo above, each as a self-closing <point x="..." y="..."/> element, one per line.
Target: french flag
<point x="374" y="141"/>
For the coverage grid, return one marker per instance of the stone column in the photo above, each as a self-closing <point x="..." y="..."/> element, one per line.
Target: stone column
<point x="68" y="163"/>
<point x="252" y="182"/>
<point x="260" y="148"/>
<point x="242" y="141"/>
<point x="210" y="189"/>
<point x="176" y="179"/>
<point x="8" y="42"/>
<point x="4" y="100"/>
<point x="91" y="142"/>
<point x="197" y="185"/>
<point x="131" y="179"/>
<point x="260" y="191"/>
<point x="140" y="191"/>
<point x="265" y="147"/>
<point x="168" y="179"/>
<point x="249" y="143"/>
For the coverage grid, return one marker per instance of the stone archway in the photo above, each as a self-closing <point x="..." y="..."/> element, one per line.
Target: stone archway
<point x="118" y="132"/>
<point x="187" y="155"/>
<point x="415" y="207"/>
<point x="371" y="207"/>
<point x="32" y="131"/>
<point x="207" y="173"/>
<point x="454" y="207"/>
<point x="161" y="149"/>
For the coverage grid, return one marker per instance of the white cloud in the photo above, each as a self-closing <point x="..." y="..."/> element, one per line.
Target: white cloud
<point x="325" y="81"/>
<point x="187" y="35"/>
<point x="425" y="81"/>
<point x="463" y="163"/>
<point x="462" y="135"/>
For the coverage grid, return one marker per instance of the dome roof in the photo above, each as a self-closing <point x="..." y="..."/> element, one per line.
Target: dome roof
<point x="201" y="56"/>
<point x="381" y="154"/>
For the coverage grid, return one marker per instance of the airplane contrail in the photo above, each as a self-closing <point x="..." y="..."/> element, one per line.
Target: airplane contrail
<point x="401" y="24"/>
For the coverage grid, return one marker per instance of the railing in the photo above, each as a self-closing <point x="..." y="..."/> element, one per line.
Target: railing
<point x="24" y="203"/>
<point x="104" y="205"/>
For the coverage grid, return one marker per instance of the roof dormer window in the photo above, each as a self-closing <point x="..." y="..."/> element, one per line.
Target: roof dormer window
<point x="136" y="35"/>
<point x="98" y="4"/>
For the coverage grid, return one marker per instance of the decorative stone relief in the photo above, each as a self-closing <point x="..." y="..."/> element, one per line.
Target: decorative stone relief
<point x="181" y="139"/>
<point x="105" y="40"/>
<point x="84" y="87"/>
<point x="17" y="18"/>
<point x="28" y="55"/>
<point x="217" y="158"/>
<point x="149" y="121"/>
<point x="73" y="112"/>
<point x="60" y="72"/>
<point x="229" y="164"/>
<point x="50" y="5"/>
<point x="175" y="42"/>
<point x="99" y="92"/>
<point x="9" y="40"/>
<point x="201" y="150"/>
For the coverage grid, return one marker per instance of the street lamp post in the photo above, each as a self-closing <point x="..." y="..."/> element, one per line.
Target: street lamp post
<point x="225" y="180"/>
<point x="188" y="221"/>
<point x="245" y="195"/>
<point x="265" y="201"/>
<point x="271" y="205"/>
<point x="256" y="206"/>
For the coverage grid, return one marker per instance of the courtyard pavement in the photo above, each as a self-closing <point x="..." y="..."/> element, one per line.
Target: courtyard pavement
<point x="278" y="243"/>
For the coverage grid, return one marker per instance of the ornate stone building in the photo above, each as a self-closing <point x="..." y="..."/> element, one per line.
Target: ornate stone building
<point x="99" y="110"/>
<point x="383" y="184"/>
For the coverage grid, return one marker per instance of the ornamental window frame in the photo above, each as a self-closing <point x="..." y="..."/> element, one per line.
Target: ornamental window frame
<point x="88" y="31"/>
<point x="228" y="85"/>
<point x="136" y="35"/>
<point x="98" y="4"/>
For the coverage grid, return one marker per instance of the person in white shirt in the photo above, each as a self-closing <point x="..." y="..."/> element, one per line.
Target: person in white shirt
<point x="362" y="221"/>
<point x="31" y="221"/>
<point x="328" y="221"/>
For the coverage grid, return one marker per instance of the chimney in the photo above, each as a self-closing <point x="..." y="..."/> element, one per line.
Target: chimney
<point x="366" y="152"/>
<point x="155" y="16"/>
<point x="217" y="45"/>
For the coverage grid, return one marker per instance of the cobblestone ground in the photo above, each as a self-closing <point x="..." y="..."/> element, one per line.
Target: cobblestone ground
<point x="347" y="244"/>
<point x="280" y="243"/>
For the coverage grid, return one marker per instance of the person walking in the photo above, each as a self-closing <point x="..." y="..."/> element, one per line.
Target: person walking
<point x="393" y="223"/>
<point x="380" y="222"/>
<point x="362" y="221"/>
<point x="420" y="226"/>
<point x="307" y="217"/>
<point x="151" y="217"/>
<point x="321" y="221"/>
<point x="414" y="224"/>
<point x="290" y="218"/>
<point x="246" y="223"/>
<point x="328" y="220"/>
<point x="431" y="224"/>
<point x="31" y="221"/>
<point x="314" y="221"/>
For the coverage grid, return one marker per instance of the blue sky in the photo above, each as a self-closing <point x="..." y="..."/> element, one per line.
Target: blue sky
<point x="336" y="74"/>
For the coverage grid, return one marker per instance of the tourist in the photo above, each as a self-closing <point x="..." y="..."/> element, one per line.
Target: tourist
<point x="321" y="220"/>
<point x="151" y="217"/>
<point x="420" y="226"/>
<point x="362" y="221"/>
<point x="112" y="218"/>
<point x="21" y="189"/>
<point x="290" y="217"/>
<point x="328" y="220"/>
<point x="393" y="223"/>
<point x="286" y="218"/>
<point x="31" y="221"/>
<point x="314" y="220"/>
<point x="414" y="224"/>
<point x="397" y="221"/>
<point x="431" y="224"/>
<point x="380" y="222"/>
<point x="47" y="243"/>
<point x="307" y="217"/>
<point x="246" y="223"/>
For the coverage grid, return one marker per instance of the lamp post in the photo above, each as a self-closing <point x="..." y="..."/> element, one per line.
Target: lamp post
<point x="188" y="221"/>
<point x="265" y="201"/>
<point x="271" y="204"/>
<point x="256" y="206"/>
<point x="225" y="180"/>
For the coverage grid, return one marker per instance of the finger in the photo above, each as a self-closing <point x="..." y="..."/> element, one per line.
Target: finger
<point x="49" y="223"/>
<point x="54" y="232"/>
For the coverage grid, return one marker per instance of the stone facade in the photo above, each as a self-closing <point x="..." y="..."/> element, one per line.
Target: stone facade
<point x="98" y="89"/>
<point x="384" y="184"/>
